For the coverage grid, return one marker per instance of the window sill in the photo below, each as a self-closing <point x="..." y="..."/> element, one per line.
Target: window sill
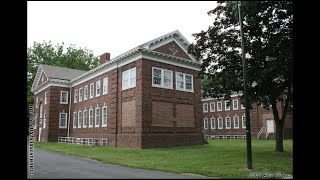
<point x="191" y="91"/>
<point x="163" y="87"/>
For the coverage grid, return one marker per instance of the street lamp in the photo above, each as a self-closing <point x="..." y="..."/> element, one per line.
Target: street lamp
<point x="246" y="100"/>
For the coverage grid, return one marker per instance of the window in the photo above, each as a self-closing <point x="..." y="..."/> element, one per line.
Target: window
<point x="105" y="86"/>
<point x="79" y="119"/>
<point x="242" y="106"/>
<point x="90" y="117"/>
<point x="184" y="82"/>
<point x="75" y="95"/>
<point x="129" y="78"/>
<point x="162" y="78"/>
<point x="91" y="90"/>
<point x="235" y="104"/>
<point x="227" y="105"/>
<point x="98" y="83"/>
<point x="228" y="123"/>
<point x="236" y="122"/>
<point x="45" y="97"/>
<point x="37" y="100"/>
<point x="243" y="121"/>
<point x="80" y="94"/>
<point x="212" y="107"/>
<point x="97" y="120"/>
<point x="220" y="123"/>
<point x="213" y="124"/>
<point x="85" y="118"/>
<point x="104" y="116"/>
<point x="64" y="97"/>
<point x="205" y="123"/>
<point x="63" y="120"/>
<point x="85" y="97"/>
<point x="205" y="107"/>
<point x="74" y="119"/>
<point x="44" y="120"/>
<point x="35" y="121"/>
<point x="219" y="106"/>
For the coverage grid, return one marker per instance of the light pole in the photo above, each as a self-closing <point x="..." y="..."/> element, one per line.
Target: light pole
<point x="246" y="100"/>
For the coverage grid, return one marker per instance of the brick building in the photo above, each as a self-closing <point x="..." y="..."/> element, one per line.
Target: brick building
<point x="226" y="119"/>
<point x="146" y="97"/>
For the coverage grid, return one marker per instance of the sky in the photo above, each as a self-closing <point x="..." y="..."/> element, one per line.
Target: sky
<point x="114" y="26"/>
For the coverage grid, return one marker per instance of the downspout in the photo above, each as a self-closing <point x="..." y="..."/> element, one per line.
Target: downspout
<point x="116" y="141"/>
<point x="69" y="111"/>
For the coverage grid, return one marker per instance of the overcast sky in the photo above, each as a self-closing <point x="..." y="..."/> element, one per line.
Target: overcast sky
<point x="114" y="26"/>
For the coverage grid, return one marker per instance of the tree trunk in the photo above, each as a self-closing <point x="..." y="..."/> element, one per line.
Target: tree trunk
<point x="279" y="136"/>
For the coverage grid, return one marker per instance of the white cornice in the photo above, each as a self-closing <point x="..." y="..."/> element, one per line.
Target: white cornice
<point x="48" y="84"/>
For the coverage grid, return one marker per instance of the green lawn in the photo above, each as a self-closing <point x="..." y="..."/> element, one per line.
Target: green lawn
<point x="219" y="158"/>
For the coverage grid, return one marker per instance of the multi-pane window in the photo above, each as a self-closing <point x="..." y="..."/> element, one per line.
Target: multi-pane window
<point x="35" y="121"/>
<point x="104" y="116"/>
<point x="236" y="122"/>
<point x="220" y="123"/>
<point x="205" y="123"/>
<point x="97" y="119"/>
<point x="85" y="97"/>
<point x="184" y="82"/>
<point x="44" y="119"/>
<point x="228" y="123"/>
<point x="37" y="100"/>
<point x="45" y="97"/>
<point x="243" y="121"/>
<point x="213" y="124"/>
<point x="227" y="105"/>
<point x="91" y="90"/>
<point x="90" y="117"/>
<point x="205" y="107"/>
<point x="129" y="78"/>
<point x="80" y="94"/>
<point x="75" y="96"/>
<point x="161" y="78"/>
<point x="242" y="106"/>
<point x="79" y="119"/>
<point x="85" y="118"/>
<point x="105" y="86"/>
<point x="212" y="108"/>
<point x="98" y="83"/>
<point x="64" y="97"/>
<point x="74" y="119"/>
<point x="219" y="106"/>
<point x="235" y="104"/>
<point x="63" y="120"/>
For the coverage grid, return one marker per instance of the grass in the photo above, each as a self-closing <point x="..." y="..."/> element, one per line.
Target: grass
<point x="219" y="158"/>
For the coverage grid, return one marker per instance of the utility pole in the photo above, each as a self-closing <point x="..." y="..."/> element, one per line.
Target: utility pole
<point x="246" y="99"/>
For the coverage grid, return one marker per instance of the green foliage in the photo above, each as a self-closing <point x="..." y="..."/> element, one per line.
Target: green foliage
<point x="219" y="158"/>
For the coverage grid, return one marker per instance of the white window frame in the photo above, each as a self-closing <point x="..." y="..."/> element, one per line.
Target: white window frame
<point x="219" y="102"/>
<point x="242" y="106"/>
<point x="184" y="82"/>
<point x="205" y="123"/>
<point x="91" y="91"/>
<point x="80" y="94"/>
<point x="65" y="126"/>
<point x="75" y="100"/>
<point x="212" y="104"/>
<point x="162" y="78"/>
<point x="220" y="122"/>
<point x="234" y="122"/>
<point x="84" y="117"/>
<point x="45" y="97"/>
<point x="90" y="122"/>
<point x="104" y="117"/>
<point x="235" y="101"/>
<point x="129" y="86"/>
<point x="75" y="115"/>
<point x="213" y="125"/>
<point x="225" y="105"/>
<point x="85" y="93"/>
<point x="37" y="100"/>
<point x="95" y="117"/>
<point x="44" y="119"/>
<point x="35" y="121"/>
<point x="204" y="107"/>
<point x="67" y="93"/>
<point x="98" y="88"/>
<point x="79" y="119"/>
<point x="105" y="86"/>
<point x="243" y="124"/>
<point x="228" y="119"/>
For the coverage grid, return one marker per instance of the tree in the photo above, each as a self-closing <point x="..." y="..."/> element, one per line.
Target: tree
<point x="58" y="55"/>
<point x="268" y="27"/>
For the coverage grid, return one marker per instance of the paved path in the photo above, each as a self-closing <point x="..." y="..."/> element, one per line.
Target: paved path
<point x="55" y="165"/>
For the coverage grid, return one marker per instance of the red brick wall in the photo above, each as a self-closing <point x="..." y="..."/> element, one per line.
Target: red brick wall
<point x="172" y="45"/>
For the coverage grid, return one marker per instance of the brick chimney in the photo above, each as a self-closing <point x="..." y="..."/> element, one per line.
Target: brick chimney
<point x="104" y="58"/>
